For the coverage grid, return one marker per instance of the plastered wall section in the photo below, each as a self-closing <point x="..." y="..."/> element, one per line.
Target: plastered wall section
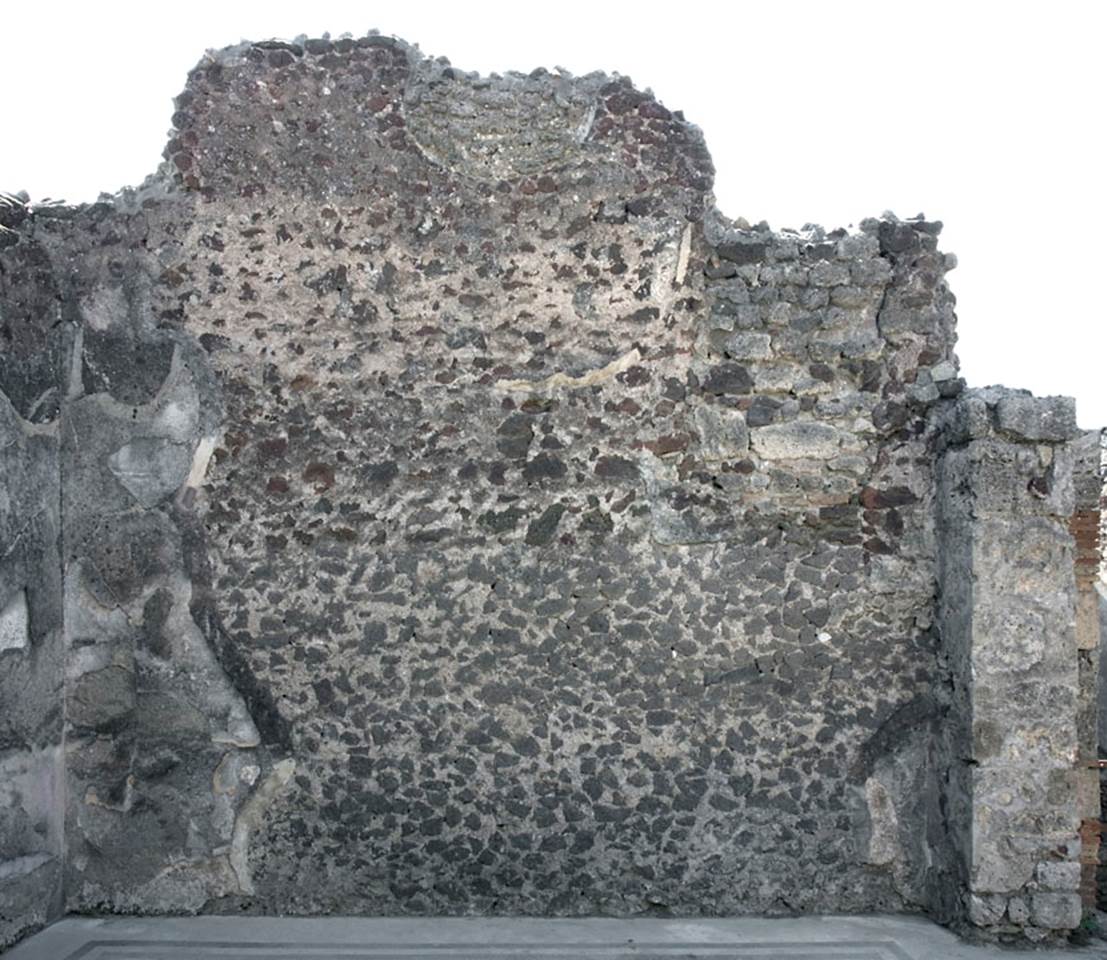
<point x="31" y="635"/>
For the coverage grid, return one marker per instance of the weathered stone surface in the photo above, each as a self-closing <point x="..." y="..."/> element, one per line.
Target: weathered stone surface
<point x="29" y="895"/>
<point x="33" y="341"/>
<point x="682" y="516"/>
<point x="728" y="378"/>
<point x="1007" y="617"/>
<point x="102" y="699"/>
<point x="798" y="440"/>
<point x="1058" y="875"/>
<point x="723" y="433"/>
<point x="1037" y="418"/>
<point x="462" y="516"/>
<point x="151" y="468"/>
<point x="748" y="346"/>
<point x="1055" y="911"/>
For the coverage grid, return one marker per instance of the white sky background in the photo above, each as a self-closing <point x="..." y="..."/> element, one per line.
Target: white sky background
<point x="987" y="115"/>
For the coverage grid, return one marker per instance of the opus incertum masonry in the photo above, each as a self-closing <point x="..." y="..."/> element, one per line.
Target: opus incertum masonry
<point x="418" y="498"/>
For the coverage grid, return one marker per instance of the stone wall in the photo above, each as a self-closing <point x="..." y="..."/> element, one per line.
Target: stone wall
<point x="31" y="635"/>
<point x="462" y="516"/>
<point x="1086" y="527"/>
<point x="1007" y="613"/>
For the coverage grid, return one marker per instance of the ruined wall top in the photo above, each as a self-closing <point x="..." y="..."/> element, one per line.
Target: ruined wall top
<point x="330" y="119"/>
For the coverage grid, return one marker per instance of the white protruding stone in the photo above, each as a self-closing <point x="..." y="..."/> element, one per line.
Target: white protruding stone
<point x="14" y="625"/>
<point x="559" y="379"/>
<point x="200" y="459"/>
<point x="884" y="824"/>
<point x="723" y="433"/>
<point x="250" y="816"/>
<point x="798" y="440"/>
<point x="943" y="371"/>
<point x="150" y="468"/>
<point x="683" y="255"/>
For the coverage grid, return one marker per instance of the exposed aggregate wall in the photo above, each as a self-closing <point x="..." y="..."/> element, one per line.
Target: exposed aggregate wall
<point x="459" y="515"/>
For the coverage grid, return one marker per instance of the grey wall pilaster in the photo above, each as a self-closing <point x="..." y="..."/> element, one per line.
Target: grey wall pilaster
<point x="1007" y="617"/>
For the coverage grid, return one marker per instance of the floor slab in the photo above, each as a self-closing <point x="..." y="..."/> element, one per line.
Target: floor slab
<point x="335" y="938"/>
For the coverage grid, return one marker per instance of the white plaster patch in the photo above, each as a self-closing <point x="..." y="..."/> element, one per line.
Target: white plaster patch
<point x="200" y="460"/>
<point x="103" y="307"/>
<point x="249" y="817"/>
<point x="14" y="625"/>
<point x="683" y="255"/>
<point x="883" y="840"/>
<point x="559" y="379"/>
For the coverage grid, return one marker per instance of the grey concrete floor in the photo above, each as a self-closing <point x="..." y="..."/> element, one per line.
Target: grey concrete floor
<point x="258" y="938"/>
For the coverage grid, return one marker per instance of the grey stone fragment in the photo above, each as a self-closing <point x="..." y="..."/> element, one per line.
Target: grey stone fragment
<point x="763" y="411"/>
<point x="541" y="531"/>
<point x="151" y="468"/>
<point x="924" y="393"/>
<point x="896" y="237"/>
<point x="748" y="346"/>
<point x="1037" y="418"/>
<point x="985" y="910"/>
<point x="827" y="274"/>
<point x="969" y="420"/>
<point x="950" y="388"/>
<point x="1056" y="911"/>
<point x="1018" y="910"/>
<point x="101" y="699"/>
<point x="728" y="378"/>
<point x="943" y="371"/>
<point x="858" y="245"/>
<point x="723" y="433"/>
<point x="612" y="211"/>
<point x="29" y="896"/>
<point x="743" y="251"/>
<point x="684" y="516"/>
<point x="514" y="436"/>
<point x="1059" y="876"/>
